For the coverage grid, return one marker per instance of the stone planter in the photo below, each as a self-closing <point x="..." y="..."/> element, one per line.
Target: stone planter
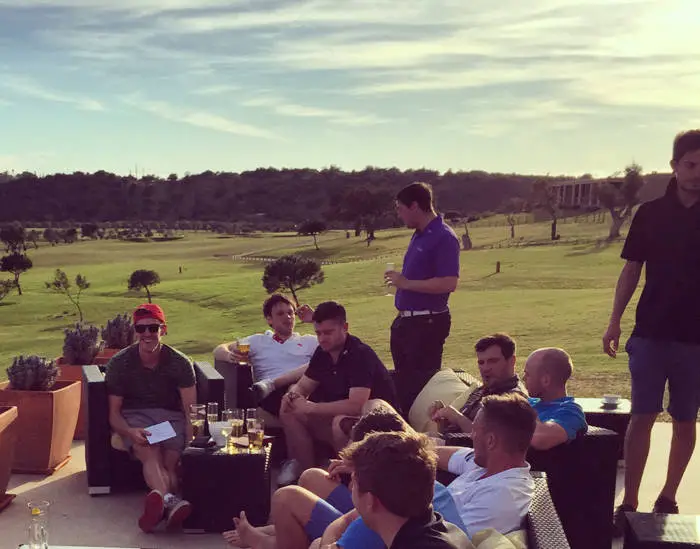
<point x="45" y="425"/>
<point x="8" y="439"/>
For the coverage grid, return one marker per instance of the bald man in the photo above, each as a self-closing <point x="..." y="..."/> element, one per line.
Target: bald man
<point x="560" y="419"/>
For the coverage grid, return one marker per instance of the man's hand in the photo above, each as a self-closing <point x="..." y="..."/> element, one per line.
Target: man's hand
<point x="434" y="407"/>
<point x="288" y="400"/>
<point x="338" y="467"/>
<point x="611" y="339"/>
<point x="305" y="313"/>
<point x="300" y="406"/>
<point x="396" y="279"/>
<point x="448" y="413"/>
<point x="138" y="436"/>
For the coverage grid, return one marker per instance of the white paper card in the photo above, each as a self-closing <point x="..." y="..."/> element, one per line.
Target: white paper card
<point x="160" y="432"/>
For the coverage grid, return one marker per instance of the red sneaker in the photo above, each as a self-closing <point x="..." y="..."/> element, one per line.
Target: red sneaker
<point x="178" y="514"/>
<point x="153" y="508"/>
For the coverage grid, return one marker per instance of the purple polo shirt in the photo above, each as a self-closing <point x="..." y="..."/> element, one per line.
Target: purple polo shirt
<point x="432" y="253"/>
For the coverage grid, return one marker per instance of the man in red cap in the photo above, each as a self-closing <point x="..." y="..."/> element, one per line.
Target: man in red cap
<point x="149" y="383"/>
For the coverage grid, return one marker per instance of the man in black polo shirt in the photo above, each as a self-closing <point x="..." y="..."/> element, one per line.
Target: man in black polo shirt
<point x="393" y="478"/>
<point x="429" y="274"/>
<point x="665" y="343"/>
<point x="343" y="375"/>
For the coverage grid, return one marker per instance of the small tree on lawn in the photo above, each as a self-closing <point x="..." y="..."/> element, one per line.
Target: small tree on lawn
<point x="14" y="237"/>
<point x="16" y="264"/>
<point x="545" y="197"/>
<point x="313" y="228"/>
<point x="620" y="196"/>
<point x="62" y="285"/>
<point x="52" y="236"/>
<point x="143" y="280"/>
<point x="292" y="273"/>
<point x="510" y="209"/>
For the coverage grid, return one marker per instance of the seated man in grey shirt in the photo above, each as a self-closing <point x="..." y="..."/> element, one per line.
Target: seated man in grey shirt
<point x="149" y="383"/>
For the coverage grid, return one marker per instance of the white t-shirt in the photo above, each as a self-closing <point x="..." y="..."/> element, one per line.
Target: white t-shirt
<point x="270" y="358"/>
<point x="500" y="501"/>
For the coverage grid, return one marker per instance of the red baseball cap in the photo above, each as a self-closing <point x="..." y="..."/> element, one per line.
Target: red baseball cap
<point x="149" y="310"/>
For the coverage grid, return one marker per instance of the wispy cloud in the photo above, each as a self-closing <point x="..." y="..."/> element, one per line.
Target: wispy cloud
<point x="218" y="89"/>
<point x="26" y="87"/>
<point x="336" y="116"/>
<point x="197" y="118"/>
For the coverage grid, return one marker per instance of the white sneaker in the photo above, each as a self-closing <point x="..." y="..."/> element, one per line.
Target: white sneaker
<point x="290" y="473"/>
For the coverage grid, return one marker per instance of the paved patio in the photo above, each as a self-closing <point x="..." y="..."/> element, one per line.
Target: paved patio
<point x="110" y="521"/>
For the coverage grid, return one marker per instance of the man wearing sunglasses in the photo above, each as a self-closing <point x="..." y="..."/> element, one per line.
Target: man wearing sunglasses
<point x="149" y="383"/>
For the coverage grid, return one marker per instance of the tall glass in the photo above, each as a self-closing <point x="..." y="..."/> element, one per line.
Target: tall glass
<point x="243" y="350"/>
<point x="251" y="414"/>
<point x="38" y="524"/>
<point x="389" y="267"/>
<point x="198" y="416"/>
<point x="235" y="420"/>
<point x="212" y="412"/>
<point x="256" y="434"/>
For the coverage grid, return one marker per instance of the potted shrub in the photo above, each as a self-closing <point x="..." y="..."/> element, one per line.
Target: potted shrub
<point x="8" y="438"/>
<point x="118" y="334"/>
<point x="47" y="414"/>
<point x="80" y="347"/>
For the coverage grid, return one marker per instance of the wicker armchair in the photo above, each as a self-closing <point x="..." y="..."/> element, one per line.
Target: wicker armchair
<point x="113" y="470"/>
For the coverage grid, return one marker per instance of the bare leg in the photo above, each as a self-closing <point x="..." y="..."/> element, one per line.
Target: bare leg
<point x="154" y="472"/>
<point x="251" y="536"/>
<point x="637" y="441"/>
<point x="171" y="459"/>
<point x="317" y="481"/>
<point x="315" y="544"/>
<point x="291" y="511"/>
<point x="300" y="445"/>
<point x="682" y="447"/>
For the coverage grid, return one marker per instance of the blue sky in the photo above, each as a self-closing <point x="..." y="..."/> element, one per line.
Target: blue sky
<point x="536" y="86"/>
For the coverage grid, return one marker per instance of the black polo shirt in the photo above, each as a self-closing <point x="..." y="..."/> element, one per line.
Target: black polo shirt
<point x="665" y="236"/>
<point x="430" y="532"/>
<point x="357" y="366"/>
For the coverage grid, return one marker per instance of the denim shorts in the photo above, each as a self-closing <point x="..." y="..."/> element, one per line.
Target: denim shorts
<point x="652" y="363"/>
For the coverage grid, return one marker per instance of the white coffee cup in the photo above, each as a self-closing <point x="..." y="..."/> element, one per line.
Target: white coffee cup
<point x="611" y="399"/>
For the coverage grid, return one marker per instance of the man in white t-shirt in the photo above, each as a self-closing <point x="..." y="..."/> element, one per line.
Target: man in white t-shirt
<point x="493" y="488"/>
<point x="279" y="356"/>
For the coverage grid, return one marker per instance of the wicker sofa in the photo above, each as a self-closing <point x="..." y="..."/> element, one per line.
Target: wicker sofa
<point x="112" y="470"/>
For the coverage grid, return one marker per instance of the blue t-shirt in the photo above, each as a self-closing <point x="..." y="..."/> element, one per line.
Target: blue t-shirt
<point x="359" y="536"/>
<point x="432" y="253"/>
<point x="562" y="411"/>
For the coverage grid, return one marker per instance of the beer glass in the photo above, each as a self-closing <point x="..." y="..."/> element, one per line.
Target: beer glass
<point x="198" y="415"/>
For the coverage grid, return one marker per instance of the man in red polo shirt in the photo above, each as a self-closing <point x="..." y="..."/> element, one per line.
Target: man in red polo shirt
<point x="149" y="383"/>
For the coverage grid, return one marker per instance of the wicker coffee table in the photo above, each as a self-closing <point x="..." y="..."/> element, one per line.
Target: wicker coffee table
<point x="657" y="531"/>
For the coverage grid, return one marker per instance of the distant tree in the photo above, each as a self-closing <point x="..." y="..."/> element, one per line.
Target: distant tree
<point x="143" y="280"/>
<point x="620" y="196"/>
<point x="62" y="285"/>
<point x="510" y="209"/>
<point x="33" y="237"/>
<point x="52" y="236"/>
<point x="89" y="230"/>
<point x="16" y="264"/>
<point x="14" y="237"/>
<point x="361" y="206"/>
<point x="292" y="273"/>
<point x="545" y="197"/>
<point x="313" y="228"/>
<point x="6" y="287"/>
<point x="69" y="235"/>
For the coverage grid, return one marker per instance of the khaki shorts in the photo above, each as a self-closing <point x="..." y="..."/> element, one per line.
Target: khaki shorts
<point x="151" y="416"/>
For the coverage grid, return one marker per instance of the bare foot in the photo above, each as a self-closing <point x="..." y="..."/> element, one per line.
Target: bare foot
<point x="232" y="537"/>
<point x="248" y="535"/>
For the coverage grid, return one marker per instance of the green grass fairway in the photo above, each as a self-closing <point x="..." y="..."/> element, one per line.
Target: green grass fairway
<point x="545" y="295"/>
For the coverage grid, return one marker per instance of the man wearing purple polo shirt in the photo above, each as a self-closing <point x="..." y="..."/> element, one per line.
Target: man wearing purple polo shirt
<point x="430" y="273"/>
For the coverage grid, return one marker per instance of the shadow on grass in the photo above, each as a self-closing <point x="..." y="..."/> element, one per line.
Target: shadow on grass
<point x="7" y="303"/>
<point x="195" y="348"/>
<point x="598" y="246"/>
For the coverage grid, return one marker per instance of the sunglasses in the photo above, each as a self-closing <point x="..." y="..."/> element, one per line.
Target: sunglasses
<point x="141" y="328"/>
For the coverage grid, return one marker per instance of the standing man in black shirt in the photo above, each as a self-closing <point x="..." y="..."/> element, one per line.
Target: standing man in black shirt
<point x="665" y="343"/>
<point x="393" y="478"/>
<point x="343" y="375"/>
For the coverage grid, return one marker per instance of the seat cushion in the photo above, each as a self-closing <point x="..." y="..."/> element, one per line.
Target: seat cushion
<point x="490" y="539"/>
<point x="446" y="386"/>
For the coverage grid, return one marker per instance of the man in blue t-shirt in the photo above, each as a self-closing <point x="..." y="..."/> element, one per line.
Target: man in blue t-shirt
<point x="560" y="419"/>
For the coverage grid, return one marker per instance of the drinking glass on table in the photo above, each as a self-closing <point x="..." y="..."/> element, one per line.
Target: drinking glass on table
<point x="256" y="434"/>
<point x="251" y="414"/>
<point x="235" y="419"/>
<point x="212" y="412"/>
<point x="198" y="415"/>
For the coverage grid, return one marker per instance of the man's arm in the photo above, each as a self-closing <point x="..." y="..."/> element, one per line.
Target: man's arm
<point x="188" y="396"/>
<point x="293" y="376"/>
<point x="304" y="387"/>
<point x="626" y="286"/>
<point x="444" y="453"/>
<point x="119" y="424"/>
<point x="454" y="416"/>
<point x="225" y="352"/>
<point x="547" y="435"/>
<point x="351" y="406"/>
<point x="437" y="285"/>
